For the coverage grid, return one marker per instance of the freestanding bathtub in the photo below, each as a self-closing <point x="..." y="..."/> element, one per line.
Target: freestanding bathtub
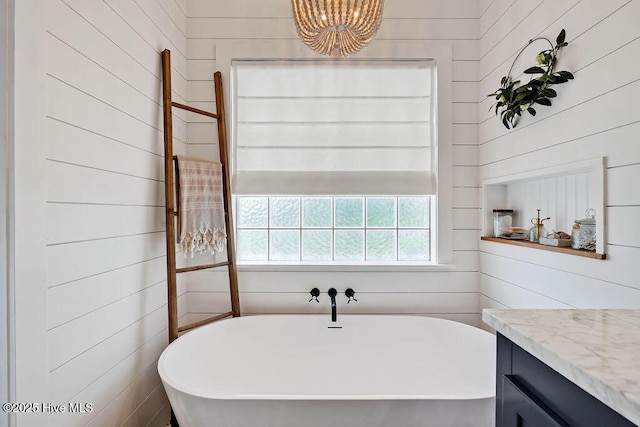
<point x="305" y="371"/>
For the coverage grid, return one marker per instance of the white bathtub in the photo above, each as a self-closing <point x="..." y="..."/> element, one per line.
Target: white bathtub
<point x="293" y="370"/>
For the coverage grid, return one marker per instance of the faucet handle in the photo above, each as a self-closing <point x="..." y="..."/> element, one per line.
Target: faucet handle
<point x="349" y="293"/>
<point x="315" y="293"/>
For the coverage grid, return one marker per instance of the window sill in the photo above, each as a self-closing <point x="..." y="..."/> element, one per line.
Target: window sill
<point x="275" y="266"/>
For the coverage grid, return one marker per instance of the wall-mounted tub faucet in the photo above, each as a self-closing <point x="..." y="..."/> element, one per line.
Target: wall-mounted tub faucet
<point x="332" y="294"/>
<point x="315" y="293"/>
<point x="349" y="293"/>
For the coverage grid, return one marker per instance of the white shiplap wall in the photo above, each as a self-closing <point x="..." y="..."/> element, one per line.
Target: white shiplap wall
<point x="595" y="115"/>
<point x="92" y="184"/>
<point x="6" y="61"/>
<point x="218" y="24"/>
<point x="105" y="203"/>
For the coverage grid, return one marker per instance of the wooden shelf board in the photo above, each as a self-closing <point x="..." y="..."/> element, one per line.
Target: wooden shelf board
<point x="564" y="250"/>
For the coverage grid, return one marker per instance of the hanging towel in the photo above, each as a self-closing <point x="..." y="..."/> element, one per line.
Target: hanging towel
<point x="202" y="226"/>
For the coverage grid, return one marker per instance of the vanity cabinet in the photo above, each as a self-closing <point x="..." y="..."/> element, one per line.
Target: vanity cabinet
<point x="531" y="394"/>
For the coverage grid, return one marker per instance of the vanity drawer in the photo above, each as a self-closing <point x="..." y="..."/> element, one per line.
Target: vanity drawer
<point x="523" y="408"/>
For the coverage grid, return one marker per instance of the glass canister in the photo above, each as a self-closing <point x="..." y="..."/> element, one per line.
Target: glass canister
<point x="583" y="234"/>
<point x="502" y="221"/>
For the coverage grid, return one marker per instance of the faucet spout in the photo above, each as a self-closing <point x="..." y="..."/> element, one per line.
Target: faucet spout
<point x="332" y="295"/>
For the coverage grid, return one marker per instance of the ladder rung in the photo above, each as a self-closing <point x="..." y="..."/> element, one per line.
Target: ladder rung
<point x="204" y="322"/>
<point x="194" y="110"/>
<point x="201" y="267"/>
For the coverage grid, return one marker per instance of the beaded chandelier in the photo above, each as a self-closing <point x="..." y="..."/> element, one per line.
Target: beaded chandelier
<point x="337" y="26"/>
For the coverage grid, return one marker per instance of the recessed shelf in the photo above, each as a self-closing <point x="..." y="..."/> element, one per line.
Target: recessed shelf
<point x="564" y="250"/>
<point x="563" y="191"/>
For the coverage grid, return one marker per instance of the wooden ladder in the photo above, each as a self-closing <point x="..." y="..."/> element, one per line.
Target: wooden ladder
<point x="172" y="212"/>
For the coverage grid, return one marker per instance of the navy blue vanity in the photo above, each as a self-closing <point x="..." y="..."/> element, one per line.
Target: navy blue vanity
<point x="578" y="368"/>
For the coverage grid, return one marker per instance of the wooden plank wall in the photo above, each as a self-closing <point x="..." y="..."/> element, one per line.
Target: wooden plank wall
<point x="564" y="199"/>
<point x="5" y="167"/>
<point x="454" y="294"/>
<point x="594" y="115"/>
<point x="105" y="252"/>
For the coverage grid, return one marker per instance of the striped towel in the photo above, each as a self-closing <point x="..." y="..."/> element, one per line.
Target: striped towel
<point x="202" y="226"/>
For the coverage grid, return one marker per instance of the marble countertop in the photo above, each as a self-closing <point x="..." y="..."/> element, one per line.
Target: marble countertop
<point x="598" y="350"/>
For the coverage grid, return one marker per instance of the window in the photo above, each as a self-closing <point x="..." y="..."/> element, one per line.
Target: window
<point x="333" y="229"/>
<point x="334" y="161"/>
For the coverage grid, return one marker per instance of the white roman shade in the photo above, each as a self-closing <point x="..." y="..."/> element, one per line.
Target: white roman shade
<point x="333" y="127"/>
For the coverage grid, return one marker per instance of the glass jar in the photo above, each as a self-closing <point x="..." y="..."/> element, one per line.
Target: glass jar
<point x="583" y="234"/>
<point x="502" y="221"/>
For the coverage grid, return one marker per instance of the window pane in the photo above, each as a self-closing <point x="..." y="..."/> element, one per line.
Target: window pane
<point x="413" y="245"/>
<point x="252" y="212"/>
<point x="316" y="212"/>
<point x="284" y="245"/>
<point x="349" y="212"/>
<point x="381" y="245"/>
<point x="381" y="212"/>
<point x="349" y="245"/>
<point x="284" y="212"/>
<point x="253" y="245"/>
<point x="316" y="245"/>
<point x="326" y="228"/>
<point x="413" y="212"/>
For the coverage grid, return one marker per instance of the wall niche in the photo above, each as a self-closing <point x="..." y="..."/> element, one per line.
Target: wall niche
<point x="563" y="192"/>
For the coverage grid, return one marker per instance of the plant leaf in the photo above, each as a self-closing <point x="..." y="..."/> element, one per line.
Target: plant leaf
<point x="559" y="79"/>
<point x="531" y="111"/>
<point x="549" y="93"/>
<point x="566" y="75"/>
<point x="525" y="98"/>
<point x="505" y="122"/>
<point x="544" y="101"/>
<point x="561" y="37"/>
<point x="534" y="70"/>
